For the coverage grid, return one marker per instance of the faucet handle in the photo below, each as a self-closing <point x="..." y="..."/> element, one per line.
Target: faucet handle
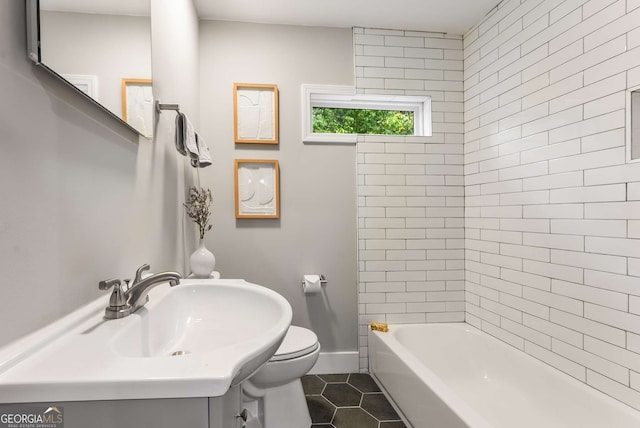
<point x="141" y="269"/>
<point x="118" y="298"/>
<point x="108" y="283"/>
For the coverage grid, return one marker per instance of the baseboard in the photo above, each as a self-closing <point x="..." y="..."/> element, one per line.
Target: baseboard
<point x="337" y="362"/>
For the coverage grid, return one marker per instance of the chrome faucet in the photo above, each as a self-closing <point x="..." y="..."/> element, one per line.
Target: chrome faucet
<point x="125" y="302"/>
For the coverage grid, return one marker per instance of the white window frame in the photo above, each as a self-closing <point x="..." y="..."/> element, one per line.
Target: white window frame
<point x="86" y="83"/>
<point x="337" y="96"/>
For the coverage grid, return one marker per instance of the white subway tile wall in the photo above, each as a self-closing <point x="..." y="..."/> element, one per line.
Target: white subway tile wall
<point x="551" y="222"/>
<point x="411" y="189"/>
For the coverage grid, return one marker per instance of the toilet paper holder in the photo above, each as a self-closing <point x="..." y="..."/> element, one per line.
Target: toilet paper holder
<point x="323" y="281"/>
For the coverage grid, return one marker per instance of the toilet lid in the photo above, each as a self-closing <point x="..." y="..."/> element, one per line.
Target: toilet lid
<point x="297" y="342"/>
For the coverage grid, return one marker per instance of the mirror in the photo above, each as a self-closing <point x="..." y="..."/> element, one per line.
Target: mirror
<point x="102" y="48"/>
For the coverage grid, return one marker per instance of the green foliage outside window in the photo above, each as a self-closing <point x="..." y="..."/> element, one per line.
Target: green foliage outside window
<point x="360" y="121"/>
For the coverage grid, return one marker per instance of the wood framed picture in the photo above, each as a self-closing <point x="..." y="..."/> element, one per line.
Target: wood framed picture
<point x="257" y="188"/>
<point x="255" y="113"/>
<point x="137" y="105"/>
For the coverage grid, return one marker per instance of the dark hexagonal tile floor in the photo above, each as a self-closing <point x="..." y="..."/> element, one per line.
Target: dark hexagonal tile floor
<point x="378" y="406"/>
<point x="349" y="417"/>
<point x="342" y="394"/>
<point x="313" y="385"/>
<point x="351" y="400"/>
<point x="363" y="382"/>
<point x="320" y="409"/>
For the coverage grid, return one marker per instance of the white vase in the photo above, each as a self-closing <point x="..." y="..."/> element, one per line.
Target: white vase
<point x="202" y="262"/>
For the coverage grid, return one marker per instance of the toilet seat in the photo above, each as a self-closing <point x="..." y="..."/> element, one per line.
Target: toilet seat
<point x="297" y="342"/>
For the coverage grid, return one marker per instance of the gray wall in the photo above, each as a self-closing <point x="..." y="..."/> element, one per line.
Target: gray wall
<point x="83" y="197"/>
<point x="84" y="200"/>
<point x="67" y="171"/>
<point x="164" y="174"/>
<point x="317" y="229"/>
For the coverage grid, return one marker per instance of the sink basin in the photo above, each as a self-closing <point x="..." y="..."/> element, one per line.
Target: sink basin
<point x="193" y="340"/>
<point x="197" y="318"/>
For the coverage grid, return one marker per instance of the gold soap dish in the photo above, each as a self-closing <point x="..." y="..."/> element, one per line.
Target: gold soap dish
<point x="379" y="326"/>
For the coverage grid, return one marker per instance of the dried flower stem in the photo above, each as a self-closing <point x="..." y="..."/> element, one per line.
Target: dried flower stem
<point x="197" y="206"/>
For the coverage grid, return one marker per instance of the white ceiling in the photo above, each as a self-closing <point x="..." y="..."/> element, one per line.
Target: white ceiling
<point x="448" y="16"/>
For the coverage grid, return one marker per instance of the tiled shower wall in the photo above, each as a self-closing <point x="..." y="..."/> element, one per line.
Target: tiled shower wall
<point x="552" y="209"/>
<point x="410" y="189"/>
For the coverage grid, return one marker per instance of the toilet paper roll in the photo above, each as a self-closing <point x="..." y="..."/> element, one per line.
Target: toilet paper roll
<point x="311" y="284"/>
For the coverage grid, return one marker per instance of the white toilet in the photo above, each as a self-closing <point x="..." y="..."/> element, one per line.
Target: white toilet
<point x="274" y="393"/>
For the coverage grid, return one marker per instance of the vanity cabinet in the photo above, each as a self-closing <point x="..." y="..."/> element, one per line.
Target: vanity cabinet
<point x="214" y="412"/>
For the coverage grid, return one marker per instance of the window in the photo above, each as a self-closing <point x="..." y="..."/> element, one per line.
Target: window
<point x="336" y="114"/>
<point x="332" y="120"/>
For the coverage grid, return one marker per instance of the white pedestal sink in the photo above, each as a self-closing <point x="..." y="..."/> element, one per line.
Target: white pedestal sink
<point x="193" y="340"/>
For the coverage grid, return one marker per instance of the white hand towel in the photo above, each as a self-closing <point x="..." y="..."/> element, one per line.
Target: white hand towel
<point x="190" y="142"/>
<point x="180" y="135"/>
<point x="204" y="157"/>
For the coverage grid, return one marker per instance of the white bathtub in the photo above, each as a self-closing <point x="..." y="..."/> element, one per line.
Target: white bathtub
<point x="454" y="375"/>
